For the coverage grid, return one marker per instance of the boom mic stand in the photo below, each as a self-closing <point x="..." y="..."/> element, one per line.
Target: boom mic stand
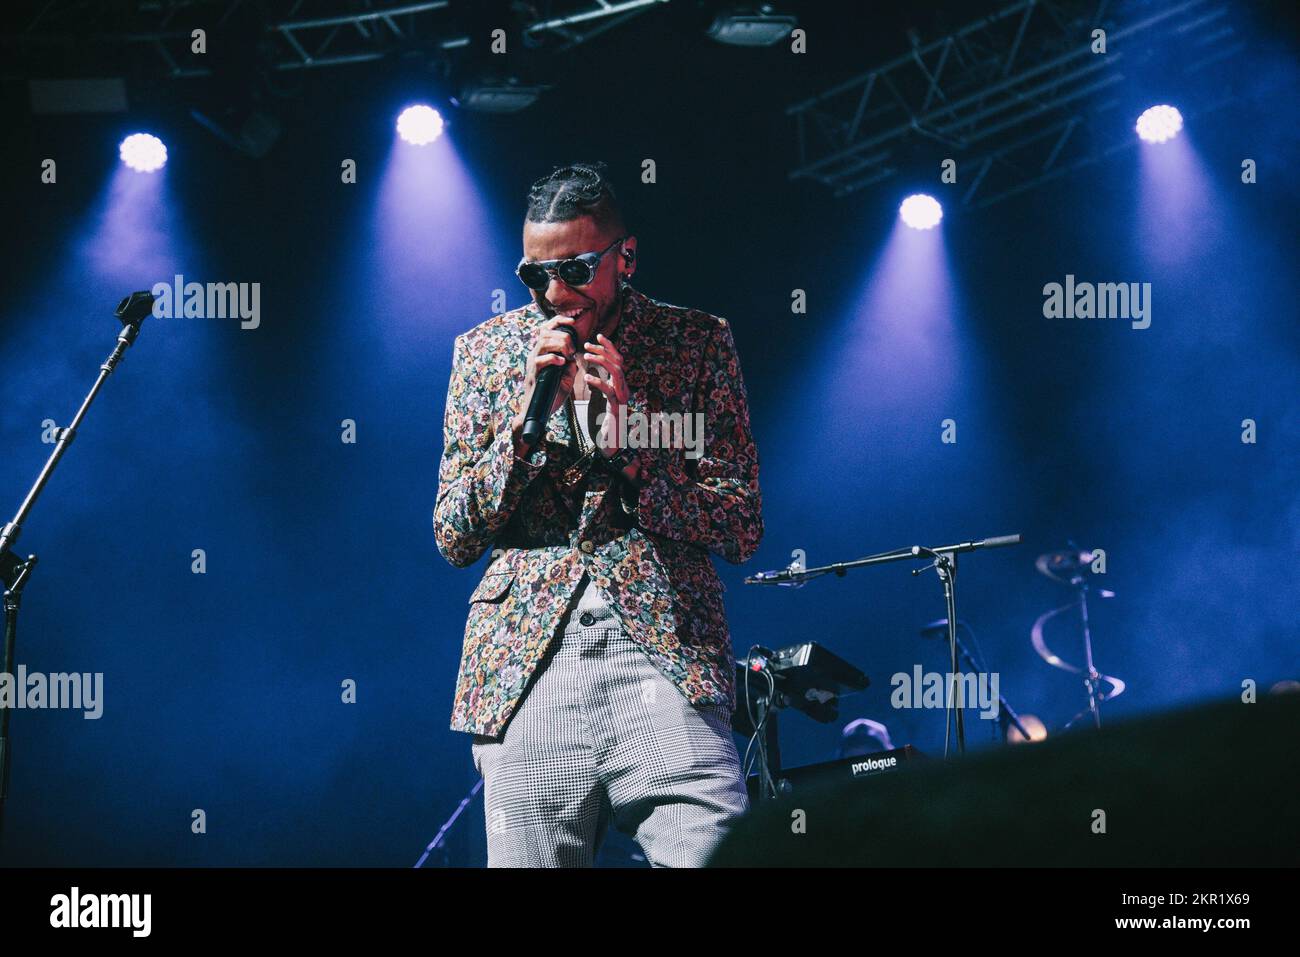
<point x="944" y="562"/>
<point x="14" y="571"/>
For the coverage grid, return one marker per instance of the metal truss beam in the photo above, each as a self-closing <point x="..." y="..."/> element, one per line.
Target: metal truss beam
<point x="315" y="35"/>
<point x="1024" y="74"/>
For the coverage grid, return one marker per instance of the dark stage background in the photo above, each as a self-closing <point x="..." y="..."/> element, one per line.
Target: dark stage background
<point x="222" y="690"/>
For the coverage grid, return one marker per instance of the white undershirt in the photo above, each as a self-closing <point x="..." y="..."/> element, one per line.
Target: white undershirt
<point x="580" y="413"/>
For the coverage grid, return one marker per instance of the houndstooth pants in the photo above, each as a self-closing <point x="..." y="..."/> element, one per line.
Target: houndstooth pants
<point x="603" y="737"/>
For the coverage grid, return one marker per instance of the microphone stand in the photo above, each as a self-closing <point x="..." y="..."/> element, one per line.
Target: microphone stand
<point x="15" y="572"/>
<point x="945" y="566"/>
<point x="1091" y="675"/>
<point x="437" y="842"/>
<point x="944" y="562"/>
<point x="1007" y="716"/>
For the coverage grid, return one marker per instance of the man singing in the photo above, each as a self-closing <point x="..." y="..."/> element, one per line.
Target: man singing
<point x="597" y="673"/>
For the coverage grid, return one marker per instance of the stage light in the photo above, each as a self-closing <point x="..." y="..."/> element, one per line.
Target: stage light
<point x="142" y="152"/>
<point x="250" y="130"/>
<point x="488" y="95"/>
<point x="921" y="211"/>
<point x="744" y="27"/>
<point x="1159" y="123"/>
<point x="419" y="124"/>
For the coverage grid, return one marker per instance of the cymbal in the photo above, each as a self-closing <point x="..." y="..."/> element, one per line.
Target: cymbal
<point x="1064" y="566"/>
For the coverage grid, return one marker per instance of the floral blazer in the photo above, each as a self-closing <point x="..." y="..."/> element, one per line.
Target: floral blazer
<point x="550" y="518"/>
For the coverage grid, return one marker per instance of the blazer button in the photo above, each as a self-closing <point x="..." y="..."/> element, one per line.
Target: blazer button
<point x="587" y="619"/>
<point x="587" y="547"/>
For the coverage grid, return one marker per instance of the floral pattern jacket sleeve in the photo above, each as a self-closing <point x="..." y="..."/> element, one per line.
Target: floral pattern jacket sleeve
<point x="480" y="479"/>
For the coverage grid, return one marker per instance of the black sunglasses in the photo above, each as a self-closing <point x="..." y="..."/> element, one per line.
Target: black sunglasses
<point x="578" y="271"/>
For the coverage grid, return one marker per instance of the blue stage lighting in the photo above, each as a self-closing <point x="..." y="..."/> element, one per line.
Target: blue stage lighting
<point x="419" y="124"/>
<point x="1159" y="123"/>
<point x="143" y="152"/>
<point x="921" y="211"/>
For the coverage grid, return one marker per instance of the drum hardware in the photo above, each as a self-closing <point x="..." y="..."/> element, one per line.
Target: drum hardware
<point x="1073" y="568"/>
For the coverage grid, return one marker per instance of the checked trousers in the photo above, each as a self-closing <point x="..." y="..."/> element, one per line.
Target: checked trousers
<point x="602" y="737"/>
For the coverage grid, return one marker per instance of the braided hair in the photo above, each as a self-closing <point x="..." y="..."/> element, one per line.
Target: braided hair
<point x="580" y="189"/>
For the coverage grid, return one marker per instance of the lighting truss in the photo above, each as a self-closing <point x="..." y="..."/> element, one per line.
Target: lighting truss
<point x="308" y="35"/>
<point x="1017" y="98"/>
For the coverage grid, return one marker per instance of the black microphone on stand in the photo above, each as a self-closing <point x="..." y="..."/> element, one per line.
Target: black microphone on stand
<point x="16" y="571"/>
<point x="548" y="382"/>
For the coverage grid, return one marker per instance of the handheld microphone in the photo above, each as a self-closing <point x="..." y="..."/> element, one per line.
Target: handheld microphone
<point x="548" y="381"/>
